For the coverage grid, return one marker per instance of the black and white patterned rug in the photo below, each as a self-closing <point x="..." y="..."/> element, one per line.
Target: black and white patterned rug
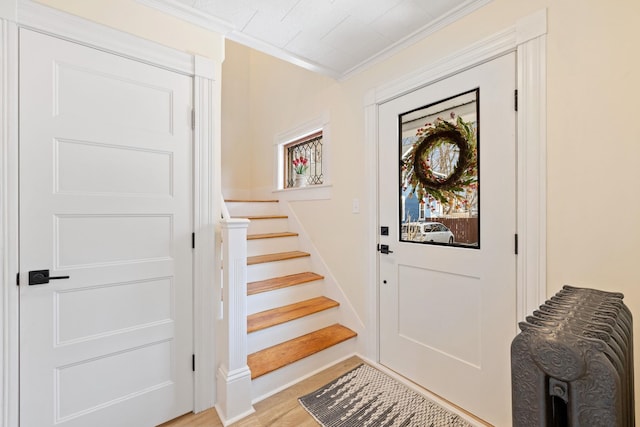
<point x="365" y="396"/>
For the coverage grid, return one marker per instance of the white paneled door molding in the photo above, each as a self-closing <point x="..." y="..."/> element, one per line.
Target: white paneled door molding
<point x="207" y="208"/>
<point x="206" y="179"/>
<point x="527" y="38"/>
<point x="37" y="17"/>
<point x="8" y="223"/>
<point x="532" y="176"/>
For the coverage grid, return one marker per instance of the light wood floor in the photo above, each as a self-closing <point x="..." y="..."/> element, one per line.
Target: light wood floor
<point x="281" y="409"/>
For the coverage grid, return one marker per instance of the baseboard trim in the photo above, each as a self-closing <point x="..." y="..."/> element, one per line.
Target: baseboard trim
<point x="296" y="381"/>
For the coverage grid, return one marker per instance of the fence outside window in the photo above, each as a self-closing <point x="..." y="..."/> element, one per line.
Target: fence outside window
<point x="310" y="148"/>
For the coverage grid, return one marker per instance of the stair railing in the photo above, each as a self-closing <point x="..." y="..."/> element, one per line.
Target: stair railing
<point x="234" y="377"/>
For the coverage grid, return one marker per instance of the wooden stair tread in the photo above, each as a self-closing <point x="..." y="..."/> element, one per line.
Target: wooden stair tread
<point x="277" y="316"/>
<point x="259" y="217"/>
<point x="279" y="256"/>
<point x="250" y="201"/>
<point x="271" y="235"/>
<point x="281" y="282"/>
<point x="286" y="353"/>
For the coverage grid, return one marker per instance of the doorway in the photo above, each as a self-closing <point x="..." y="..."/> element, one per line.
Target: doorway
<point x="106" y="216"/>
<point x="447" y="299"/>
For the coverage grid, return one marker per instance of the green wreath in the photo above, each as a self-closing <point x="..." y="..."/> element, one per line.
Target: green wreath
<point x="416" y="172"/>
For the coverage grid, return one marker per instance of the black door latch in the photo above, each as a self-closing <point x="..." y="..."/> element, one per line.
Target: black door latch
<point x="41" y="277"/>
<point x="384" y="249"/>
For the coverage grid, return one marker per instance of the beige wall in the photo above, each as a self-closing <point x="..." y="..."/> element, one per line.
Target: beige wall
<point x="237" y="123"/>
<point x="593" y="147"/>
<point x="145" y="22"/>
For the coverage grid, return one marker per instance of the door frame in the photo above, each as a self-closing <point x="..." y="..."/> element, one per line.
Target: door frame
<point x="207" y="194"/>
<point x="527" y="37"/>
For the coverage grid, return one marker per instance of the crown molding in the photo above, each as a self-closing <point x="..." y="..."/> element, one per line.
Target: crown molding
<point x="194" y="16"/>
<point x="210" y="22"/>
<point x="458" y="13"/>
<point x="190" y="15"/>
<point x="280" y="53"/>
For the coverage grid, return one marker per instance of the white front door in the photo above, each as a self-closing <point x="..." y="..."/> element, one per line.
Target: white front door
<point x="106" y="208"/>
<point x="447" y="310"/>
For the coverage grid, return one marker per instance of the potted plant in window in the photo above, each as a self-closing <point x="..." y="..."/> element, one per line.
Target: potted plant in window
<point x="300" y="166"/>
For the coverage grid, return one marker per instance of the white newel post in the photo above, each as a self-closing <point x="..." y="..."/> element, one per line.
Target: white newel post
<point x="234" y="376"/>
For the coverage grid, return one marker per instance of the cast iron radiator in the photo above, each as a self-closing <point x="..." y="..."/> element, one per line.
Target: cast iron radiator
<point x="572" y="364"/>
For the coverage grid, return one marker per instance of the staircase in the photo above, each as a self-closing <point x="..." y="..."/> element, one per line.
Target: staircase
<point x="293" y="328"/>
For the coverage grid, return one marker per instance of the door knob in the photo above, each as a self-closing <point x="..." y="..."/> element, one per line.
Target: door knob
<point x="41" y="277"/>
<point x="384" y="249"/>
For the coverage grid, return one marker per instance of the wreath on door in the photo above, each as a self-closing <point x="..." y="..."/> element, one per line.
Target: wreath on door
<point x="417" y="173"/>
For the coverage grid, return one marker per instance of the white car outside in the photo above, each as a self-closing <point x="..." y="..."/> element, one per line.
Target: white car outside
<point x="427" y="232"/>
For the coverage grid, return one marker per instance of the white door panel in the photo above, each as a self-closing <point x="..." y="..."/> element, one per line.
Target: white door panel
<point x="106" y="199"/>
<point x="447" y="313"/>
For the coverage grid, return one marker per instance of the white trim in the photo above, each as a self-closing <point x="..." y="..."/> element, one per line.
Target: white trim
<point x="371" y="339"/>
<point x="211" y="22"/>
<point x="63" y="25"/>
<point x="475" y="54"/>
<point x="532" y="26"/>
<point x="532" y="176"/>
<point x="8" y="10"/>
<point x="528" y="38"/>
<point x="233" y="383"/>
<point x="190" y="15"/>
<point x="312" y="192"/>
<point x="9" y="355"/>
<point x="306" y="375"/>
<point x="207" y="194"/>
<point x="204" y="67"/>
<point x="277" y="52"/>
<point x="206" y="216"/>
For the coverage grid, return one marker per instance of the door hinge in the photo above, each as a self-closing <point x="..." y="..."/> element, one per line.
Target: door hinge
<point x="193" y="240"/>
<point x="18" y="279"/>
<point x="193" y="362"/>
<point x="193" y="119"/>
<point x="516" y="243"/>
<point x="515" y="99"/>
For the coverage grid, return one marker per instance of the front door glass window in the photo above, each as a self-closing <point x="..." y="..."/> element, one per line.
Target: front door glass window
<point x="439" y="174"/>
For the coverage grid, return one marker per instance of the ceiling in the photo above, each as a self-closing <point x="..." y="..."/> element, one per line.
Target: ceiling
<point x="337" y="38"/>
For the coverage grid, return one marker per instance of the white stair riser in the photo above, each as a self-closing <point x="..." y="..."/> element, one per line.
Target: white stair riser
<point x="270" y="383"/>
<point x="286" y="376"/>
<point x="268" y="270"/>
<point x="271" y="225"/>
<point x="239" y="209"/>
<point x="260" y="340"/>
<point x="272" y="245"/>
<point x="285" y="296"/>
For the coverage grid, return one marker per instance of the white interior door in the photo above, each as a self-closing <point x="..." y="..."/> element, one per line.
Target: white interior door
<point x="447" y="310"/>
<point x="105" y="199"/>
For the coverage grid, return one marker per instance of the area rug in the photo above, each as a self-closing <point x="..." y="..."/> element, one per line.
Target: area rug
<point x="365" y="396"/>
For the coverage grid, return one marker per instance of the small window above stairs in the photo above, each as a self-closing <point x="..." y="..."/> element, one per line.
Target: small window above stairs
<point x="290" y="319"/>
